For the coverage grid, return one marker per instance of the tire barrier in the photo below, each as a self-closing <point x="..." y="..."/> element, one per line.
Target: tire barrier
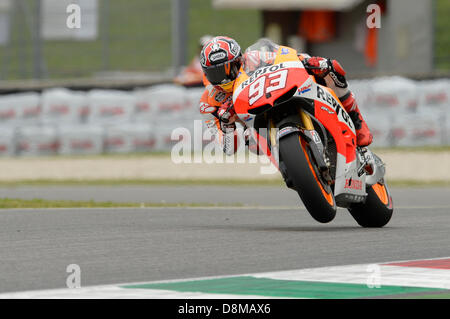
<point x="399" y="112"/>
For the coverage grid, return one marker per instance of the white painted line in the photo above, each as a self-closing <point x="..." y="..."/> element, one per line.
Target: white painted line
<point x="115" y="292"/>
<point x="357" y="274"/>
<point x="361" y="274"/>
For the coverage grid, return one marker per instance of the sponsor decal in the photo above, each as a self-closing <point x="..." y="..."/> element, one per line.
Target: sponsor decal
<point x="210" y="124"/>
<point x="246" y="118"/>
<point x="31" y="112"/>
<point x="111" y="111"/>
<point x="205" y="108"/>
<point x="81" y="144"/>
<point x="144" y="142"/>
<point x="286" y="130"/>
<point x="284" y="51"/>
<point x="326" y="109"/>
<point x="7" y="114"/>
<point x="304" y="89"/>
<point x="220" y="96"/>
<point x="215" y="47"/>
<point x="336" y="80"/>
<point x="353" y="184"/>
<point x="217" y="56"/>
<point x="330" y="100"/>
<point x="202" y="58"/>
<point x="262" y="71"/>
<point x="436" y="98"/>
<point x="63" y="109"/>
<point x="234" y="49"/>
<point x="316" y="137"/>
<point x="323" y="64"/>
<point x="142" y="107"/>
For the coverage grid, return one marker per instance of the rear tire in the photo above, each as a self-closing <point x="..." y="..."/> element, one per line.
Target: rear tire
<point x="318" y="200"/>
<point x="377" y="210"/>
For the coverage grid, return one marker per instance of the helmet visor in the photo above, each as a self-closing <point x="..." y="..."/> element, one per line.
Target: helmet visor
<point x="223" y="72"/>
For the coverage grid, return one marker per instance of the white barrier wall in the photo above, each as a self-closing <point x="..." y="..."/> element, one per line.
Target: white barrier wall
<point x="80" y="139"/>
<point x="20" y="109"/>
<point x="110" y="107"/>
<point x="63" y="106"/>
<point x="128" y="138"/>
<point x="399" y="112"/>
<point x="7" y="141"/>
<point x="402" y="112"/>
<point x="168" y="100"/>
<point x="144" y="108"/>
<point x="37" y="140"/>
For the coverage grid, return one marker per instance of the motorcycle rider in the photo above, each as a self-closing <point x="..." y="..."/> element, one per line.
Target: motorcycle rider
<point x="221" y="59"/>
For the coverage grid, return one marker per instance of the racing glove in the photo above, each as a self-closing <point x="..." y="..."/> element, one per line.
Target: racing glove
<point x="321" y="67"/>
<point x="227" y="115"/>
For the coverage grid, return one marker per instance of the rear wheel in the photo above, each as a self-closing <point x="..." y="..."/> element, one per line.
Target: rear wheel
<point x="377" y="210"/>
<point x="317" y="196"/>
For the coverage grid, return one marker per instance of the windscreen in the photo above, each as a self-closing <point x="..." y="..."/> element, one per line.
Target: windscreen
<point x="258" y="55"/>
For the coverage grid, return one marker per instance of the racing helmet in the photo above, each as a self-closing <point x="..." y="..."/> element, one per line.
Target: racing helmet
<point x="221" y="59"/>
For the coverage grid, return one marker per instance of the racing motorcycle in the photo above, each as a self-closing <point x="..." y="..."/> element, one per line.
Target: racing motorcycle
<point x="305" y="131"/>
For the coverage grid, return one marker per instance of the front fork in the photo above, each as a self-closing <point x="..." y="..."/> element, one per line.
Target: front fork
<point x="308" y="133"/>
<point x="316" y="147"/>
<point x="306" y="121"/>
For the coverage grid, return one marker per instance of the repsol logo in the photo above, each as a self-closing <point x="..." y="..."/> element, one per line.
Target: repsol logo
<point x="262" y="71"/>
<point x="327" y="97"/>
<point x="353" y="184"/>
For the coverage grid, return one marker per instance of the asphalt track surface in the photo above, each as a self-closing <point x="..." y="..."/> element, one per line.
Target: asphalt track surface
<point x="272" y="232"/>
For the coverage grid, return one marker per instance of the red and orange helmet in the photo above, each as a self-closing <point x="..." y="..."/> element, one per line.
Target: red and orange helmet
<point x="221" y="59"/>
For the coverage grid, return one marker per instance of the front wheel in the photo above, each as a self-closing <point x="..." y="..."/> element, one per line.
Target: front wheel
<point x="377" y="210"/>
<point x="316" y="196"/>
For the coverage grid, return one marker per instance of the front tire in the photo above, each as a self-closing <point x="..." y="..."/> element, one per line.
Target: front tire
<point x="318" y="200"/>
<point x="377" y="210"/>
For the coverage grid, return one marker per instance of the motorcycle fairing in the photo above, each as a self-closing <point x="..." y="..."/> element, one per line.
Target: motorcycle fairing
<point x="330" y="112"/>
<point x="285" y="63"/>
<point x="262" y="84"/>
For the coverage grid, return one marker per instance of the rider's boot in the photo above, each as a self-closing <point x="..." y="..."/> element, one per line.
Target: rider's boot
<point x="363" y="135"/>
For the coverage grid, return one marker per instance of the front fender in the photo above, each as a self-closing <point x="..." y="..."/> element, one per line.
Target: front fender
<point x="379" y="169"/>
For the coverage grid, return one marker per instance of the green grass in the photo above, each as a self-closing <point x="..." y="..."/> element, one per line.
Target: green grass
<point x="136" y="36"/>
<point x="149" y="182"/>
<point x="41" y="203"/>
<point x="8" y="203"/>
<point x="243" y="25"/>
<point x="442" y="35"/>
